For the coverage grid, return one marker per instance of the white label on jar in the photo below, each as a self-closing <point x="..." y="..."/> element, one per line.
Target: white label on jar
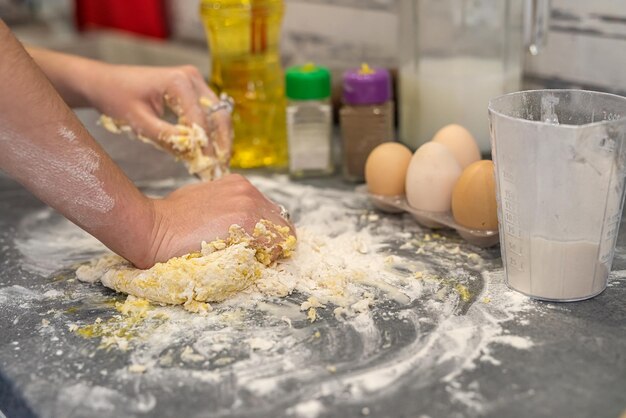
<point x="309" y="147"/>
<point x="309" y="139"/>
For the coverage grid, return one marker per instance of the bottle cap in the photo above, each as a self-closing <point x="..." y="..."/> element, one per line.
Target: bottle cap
<point x="307" y="82"/>
<point x="366" y="85"/>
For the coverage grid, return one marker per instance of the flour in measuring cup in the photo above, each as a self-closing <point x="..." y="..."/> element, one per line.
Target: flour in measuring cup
<point x="559" y="270"/>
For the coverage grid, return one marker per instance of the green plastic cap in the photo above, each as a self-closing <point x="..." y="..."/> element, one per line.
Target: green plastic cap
<point x="307" y="82"/>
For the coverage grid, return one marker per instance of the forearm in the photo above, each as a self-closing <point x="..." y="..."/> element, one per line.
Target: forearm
<point x="72" y="76"/>
<point x="45" y="148"/>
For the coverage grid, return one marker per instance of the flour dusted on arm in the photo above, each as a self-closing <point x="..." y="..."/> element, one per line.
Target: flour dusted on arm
<point x="221" y="269"/>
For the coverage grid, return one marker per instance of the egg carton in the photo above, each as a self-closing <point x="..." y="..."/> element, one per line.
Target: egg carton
<point x="397" y="204"/>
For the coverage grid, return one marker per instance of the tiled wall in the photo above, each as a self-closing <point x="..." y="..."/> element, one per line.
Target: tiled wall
<point x="586" y="42"/>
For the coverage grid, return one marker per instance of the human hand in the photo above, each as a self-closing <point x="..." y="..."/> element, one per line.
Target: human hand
<point x="205" y="212"/>
<point x="138" y="96"/>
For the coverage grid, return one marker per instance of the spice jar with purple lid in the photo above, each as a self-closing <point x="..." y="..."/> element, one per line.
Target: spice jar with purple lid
<point x="366" y="117"/>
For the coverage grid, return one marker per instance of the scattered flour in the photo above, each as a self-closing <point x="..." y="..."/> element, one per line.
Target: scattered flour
<point x="222" y="268"/>
<point x="367" y="277"/>
<point x="66" y="134"/>
<point x="307" y="409"/>
<point x="50" y="243"/>
<point x="75" y="169"/>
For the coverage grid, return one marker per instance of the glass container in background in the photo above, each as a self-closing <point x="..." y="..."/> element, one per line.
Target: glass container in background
<point x="455" y="55"/>
<point x="309" y="121"/>
<point x="560" y="158"/>
<point x="244" y="40"/>
<point x="366" y="117"/>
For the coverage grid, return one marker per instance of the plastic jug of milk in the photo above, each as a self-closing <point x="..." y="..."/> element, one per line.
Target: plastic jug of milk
<point x="455" y="55"/>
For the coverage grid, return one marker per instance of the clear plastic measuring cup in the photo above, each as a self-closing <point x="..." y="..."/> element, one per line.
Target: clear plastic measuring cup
<point x="560" y="158"/>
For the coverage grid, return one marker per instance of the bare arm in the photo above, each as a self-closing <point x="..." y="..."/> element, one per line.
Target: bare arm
<point x="66" y="73"/>
<point x="44" y="147"/>
<point x="137" y="95"/>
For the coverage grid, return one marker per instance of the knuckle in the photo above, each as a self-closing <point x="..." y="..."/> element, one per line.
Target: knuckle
<point x="236" y="177"/>
<point x="179" y="76"/>
<point x="246" y="204"/>
<point x="179" y="73"/>
<point x="190" y="70"/>
<point x="242" y="186"/>
<point x="247" y="189"/>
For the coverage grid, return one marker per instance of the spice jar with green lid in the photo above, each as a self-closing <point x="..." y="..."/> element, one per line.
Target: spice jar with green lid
<point x="309" y="120"/>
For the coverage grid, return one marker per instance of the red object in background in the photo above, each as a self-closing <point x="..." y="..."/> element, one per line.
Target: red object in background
<point x="145" y="17"/>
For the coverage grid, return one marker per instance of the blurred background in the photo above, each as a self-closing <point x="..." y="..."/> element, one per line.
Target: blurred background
<point x="586" y="41"/>
<point x="586" y="45"/>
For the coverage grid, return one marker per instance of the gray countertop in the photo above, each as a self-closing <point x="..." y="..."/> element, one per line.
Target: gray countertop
<point x="490" y="352"/>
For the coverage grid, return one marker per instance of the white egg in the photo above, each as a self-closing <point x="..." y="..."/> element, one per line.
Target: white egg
<point x="430" y="179"/>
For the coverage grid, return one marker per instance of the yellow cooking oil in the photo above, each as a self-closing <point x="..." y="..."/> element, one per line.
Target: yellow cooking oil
<point x="244" y="38"/>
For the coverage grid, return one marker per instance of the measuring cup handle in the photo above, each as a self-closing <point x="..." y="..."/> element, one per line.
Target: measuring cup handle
<point x="536" y="24"/>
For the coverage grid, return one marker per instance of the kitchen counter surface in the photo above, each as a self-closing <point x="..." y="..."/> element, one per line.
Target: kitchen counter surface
<point x="464" y="346"/>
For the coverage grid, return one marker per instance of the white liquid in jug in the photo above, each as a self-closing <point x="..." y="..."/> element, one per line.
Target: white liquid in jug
<point x="559" y="270"/>
<point x="451" y="90"/>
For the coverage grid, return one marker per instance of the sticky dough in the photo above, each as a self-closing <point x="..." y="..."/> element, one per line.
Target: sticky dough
<point x="186" y="144"/>
<point x="221" y="269"/>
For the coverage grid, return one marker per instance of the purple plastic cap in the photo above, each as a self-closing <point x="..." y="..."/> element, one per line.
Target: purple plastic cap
<point x="365" y="85"/>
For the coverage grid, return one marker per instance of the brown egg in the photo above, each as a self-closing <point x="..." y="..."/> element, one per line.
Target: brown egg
<point x="385" y="169"/>
<point x="460" y="142"/>
<point x="474" y="197"/>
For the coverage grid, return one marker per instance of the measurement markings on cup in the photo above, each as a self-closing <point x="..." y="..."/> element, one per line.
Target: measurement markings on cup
<point x="611" y="222"/>
<point x="512" y="228"/>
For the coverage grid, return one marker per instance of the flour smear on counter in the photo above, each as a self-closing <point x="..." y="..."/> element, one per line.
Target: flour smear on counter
<point x="414" y="308"/>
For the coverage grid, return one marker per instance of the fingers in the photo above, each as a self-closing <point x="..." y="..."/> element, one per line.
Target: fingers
<point x="149" y="126"/>
<point x="219" y="122"/>
<point x="180" y="140"/>
<point x="191" y="100"/>
<point x="257" y="206"/>
<point x="273" y="239"/>
<point x="278" y="217"/>
<point x="276" y="214"/>
<point x="182" y="97"/>
<point x="206" y="211"/>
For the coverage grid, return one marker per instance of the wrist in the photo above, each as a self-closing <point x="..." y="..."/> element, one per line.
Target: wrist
<point x="92" y="83"/>
<point x="150" y="231"/>
<point x="137" y="232"/>
<point x="156" y="233"/>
